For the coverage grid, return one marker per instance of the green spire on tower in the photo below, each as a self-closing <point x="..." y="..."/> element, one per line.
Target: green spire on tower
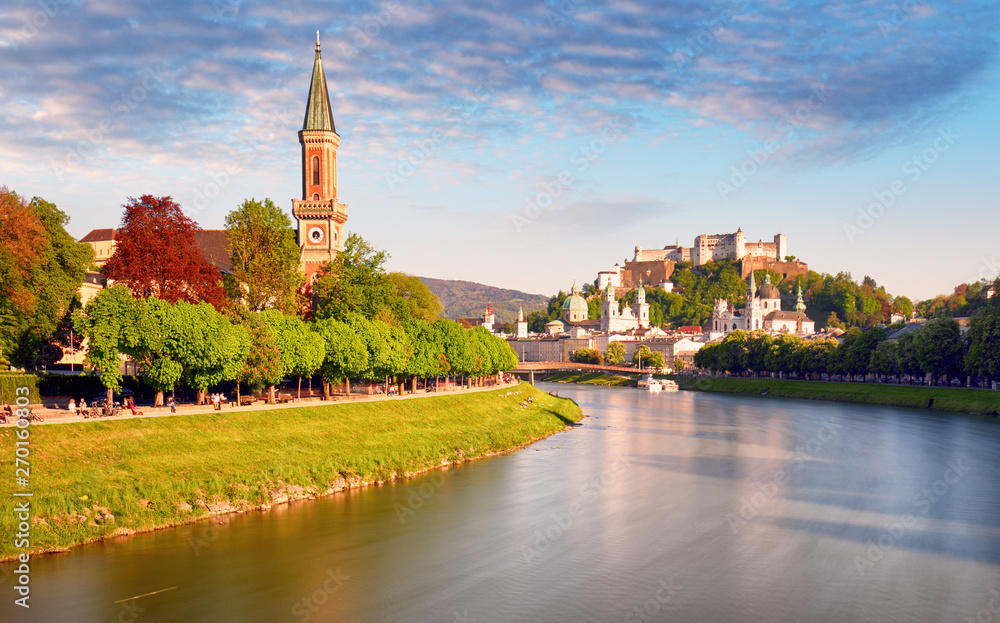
<point x="800" y="305"/>
<point x="319" y="114"/>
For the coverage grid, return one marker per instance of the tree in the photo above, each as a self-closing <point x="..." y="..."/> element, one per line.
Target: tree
<point x="983" y="355"/>
<point x="428" y="351"/>
<point x="301" y="350"/>
<point x="264" y="257"/>
<point x="354" y="282"/>
<point x="262" y="366"/>
<point x="413" y="299"/>
<point x="212" y="349"/>
<point x="615" y="354"/>
<point x="586" y="355"/>
<point x="108" y="323"/>
<point x="885" y="359"/>
<point x="678" y="365"/>
<point x="646" y="358"/>
<point x="157" y="255"/>
<point x="940" y="350"/>
<point x="346" y="353"/>
<point x="41" y="269"/>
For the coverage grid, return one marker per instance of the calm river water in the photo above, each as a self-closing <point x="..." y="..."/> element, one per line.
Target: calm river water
<point x="670" y="507"/>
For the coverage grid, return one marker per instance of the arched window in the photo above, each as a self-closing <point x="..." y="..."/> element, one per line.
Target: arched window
<point x="315" y="169"/>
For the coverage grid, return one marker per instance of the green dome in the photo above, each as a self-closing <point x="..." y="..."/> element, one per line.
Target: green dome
<point x="575" y="302"/>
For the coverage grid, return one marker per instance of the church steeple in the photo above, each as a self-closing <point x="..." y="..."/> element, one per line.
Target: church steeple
<point x="319" y="113"/>
<point x="320" y="215"/>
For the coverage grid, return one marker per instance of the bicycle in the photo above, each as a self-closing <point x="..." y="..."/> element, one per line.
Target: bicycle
<point x="33" y="417"/>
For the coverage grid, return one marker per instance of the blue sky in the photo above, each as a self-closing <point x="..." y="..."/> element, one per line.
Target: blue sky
<point x="528" y="144"/>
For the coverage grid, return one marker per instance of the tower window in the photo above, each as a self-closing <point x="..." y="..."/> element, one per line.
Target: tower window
<point x="315" y="169"/>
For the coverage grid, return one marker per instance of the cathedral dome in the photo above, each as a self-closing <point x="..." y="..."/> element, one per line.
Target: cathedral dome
<point x="575" y="302"/>
<point x="768" y="290"/>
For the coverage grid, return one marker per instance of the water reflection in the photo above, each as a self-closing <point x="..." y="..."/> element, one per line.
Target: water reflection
<point x="679" y="506"/>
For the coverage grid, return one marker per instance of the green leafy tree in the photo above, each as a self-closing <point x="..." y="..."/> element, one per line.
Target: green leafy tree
<point x="983" y="355"/>
<point x="346" y="353"/>
<point x="262" y="366"/>
<point x="587" y="355"/>
<point x="302" y="350"/>
<point x="108" y="324"/>
<point x="615" y="354"/>
<point x="355" y="282"/>
<point x="264" y="256"/>
<point x="940" y="349"/>
<point x="758" y="346"/>
<point x="212" y="350"/>
<point x="413" y="299"/>
<point x="885" y="360"/>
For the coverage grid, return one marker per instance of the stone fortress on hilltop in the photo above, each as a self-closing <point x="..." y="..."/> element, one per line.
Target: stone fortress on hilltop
<point x="655" y="266"/>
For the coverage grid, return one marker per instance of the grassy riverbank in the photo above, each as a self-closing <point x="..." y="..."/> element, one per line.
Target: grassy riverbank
<point x="98" y="479"/>
<point x="594" y="378"/>
<point x="944" y="398"/>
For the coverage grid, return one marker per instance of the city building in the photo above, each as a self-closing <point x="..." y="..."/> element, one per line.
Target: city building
<point x="762" y="311"/>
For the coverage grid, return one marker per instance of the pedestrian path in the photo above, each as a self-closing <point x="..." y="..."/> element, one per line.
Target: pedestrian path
<point x="62" y="416"/>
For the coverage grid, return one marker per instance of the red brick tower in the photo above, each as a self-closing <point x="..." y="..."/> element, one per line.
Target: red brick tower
<point x="320" y="216"/>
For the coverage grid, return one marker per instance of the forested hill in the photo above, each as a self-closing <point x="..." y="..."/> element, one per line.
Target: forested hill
<point x="466" y="299"/>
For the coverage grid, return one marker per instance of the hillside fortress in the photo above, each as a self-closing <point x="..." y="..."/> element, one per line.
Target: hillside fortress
<point x="655" y="266"/>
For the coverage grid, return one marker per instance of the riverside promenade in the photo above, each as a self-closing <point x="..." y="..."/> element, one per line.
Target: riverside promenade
<point x="63" y="416"/>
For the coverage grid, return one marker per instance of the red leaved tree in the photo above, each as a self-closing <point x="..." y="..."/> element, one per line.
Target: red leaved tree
<point x="156" y="255"/>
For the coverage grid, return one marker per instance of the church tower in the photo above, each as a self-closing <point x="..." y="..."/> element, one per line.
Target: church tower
<point x="320" y="216"/>
<point x="641" y="307"/>
<point x="754" y="314"/>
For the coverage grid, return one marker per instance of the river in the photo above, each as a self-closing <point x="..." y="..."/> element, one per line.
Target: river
<point x="659" y="507"/>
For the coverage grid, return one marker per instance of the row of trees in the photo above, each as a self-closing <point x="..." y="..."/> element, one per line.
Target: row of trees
<point x="615" y="355"/>
<point x="196" y="345"/>
<point x="937" y="349"/>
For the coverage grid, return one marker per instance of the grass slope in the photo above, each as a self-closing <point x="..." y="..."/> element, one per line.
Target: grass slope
<point x="945" y="398"/>
<point x="594" y="378"/>
<point x="156" y="472"/>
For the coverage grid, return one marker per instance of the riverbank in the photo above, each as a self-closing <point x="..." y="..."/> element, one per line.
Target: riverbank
<point x="594" y="378"/>
<point x="937" y="398"/>
<point x="120" y="477"/>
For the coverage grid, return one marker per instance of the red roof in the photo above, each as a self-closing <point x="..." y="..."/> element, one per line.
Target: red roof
<point x="689" y="329"/>
<point x="100" y="235"/>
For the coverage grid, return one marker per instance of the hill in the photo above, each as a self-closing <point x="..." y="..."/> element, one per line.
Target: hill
<point x="466" y="299"/>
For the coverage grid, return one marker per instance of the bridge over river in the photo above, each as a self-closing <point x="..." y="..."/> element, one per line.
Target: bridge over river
<point x="530" y="368"/>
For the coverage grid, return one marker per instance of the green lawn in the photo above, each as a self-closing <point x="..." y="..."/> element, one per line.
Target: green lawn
<point x="140" y="470"/>
<point x="945" y="398"/>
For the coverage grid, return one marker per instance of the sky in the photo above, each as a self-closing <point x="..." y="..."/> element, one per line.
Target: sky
<point x="531" y="144"/>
